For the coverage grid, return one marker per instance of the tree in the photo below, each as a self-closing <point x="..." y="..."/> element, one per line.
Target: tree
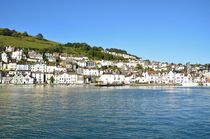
<point x="40" y="36"/>
<point x="25" y="34"/>
<point x="139" y="67"/>
<point x="52" y="79"/>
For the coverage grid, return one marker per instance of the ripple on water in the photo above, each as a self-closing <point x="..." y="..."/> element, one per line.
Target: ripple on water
<point x="63" y="112"/>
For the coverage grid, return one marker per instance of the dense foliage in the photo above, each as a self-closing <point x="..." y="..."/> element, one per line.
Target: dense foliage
<point x="116" y="50"/>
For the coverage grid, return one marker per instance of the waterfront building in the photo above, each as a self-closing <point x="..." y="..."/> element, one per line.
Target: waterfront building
<point x="39" y="77"/>
<point x="66" y="78"/>
<point x="21" y="79"/>
<point x="112" y="79"/>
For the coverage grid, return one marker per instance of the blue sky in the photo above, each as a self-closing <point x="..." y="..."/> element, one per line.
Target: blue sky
<point x="164" y="30"/>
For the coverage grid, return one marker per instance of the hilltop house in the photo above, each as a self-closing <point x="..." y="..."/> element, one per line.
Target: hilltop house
<point x="35" y="55"/>
<point x="10" y="49"/>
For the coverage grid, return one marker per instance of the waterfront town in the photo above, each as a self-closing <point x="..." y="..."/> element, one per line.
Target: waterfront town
<point x="31" y="67"/>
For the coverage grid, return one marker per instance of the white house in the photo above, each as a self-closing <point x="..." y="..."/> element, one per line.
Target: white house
<point x="106" y="63"/>
<point x="23" y="67"/>
<point x="4" y="57"/>
<point x="130" y="79"/>
<point x="6" y="80"/>
<point x="39" y="77"/>
<point x="17" y="55"/>
<point x="89" y="72"/>
<point x="50" y="57"/>
<point x="81" y="63"/>
<point x="35" y="55"/>
<point x="39" y="67"/>
<point x="20" y="79"/>
<point x="51" y="69"/>
<point x="66" y="78"/>
<point x="9" y="49"/>
<point x="63" y="56"/>
<point x="10" y="66"/>
<point x="112" y="79"/>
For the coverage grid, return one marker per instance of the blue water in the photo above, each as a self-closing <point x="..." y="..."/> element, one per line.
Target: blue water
<point x="66" y="112"/>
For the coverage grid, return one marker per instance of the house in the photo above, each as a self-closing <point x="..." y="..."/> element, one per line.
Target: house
<point x="112" y="79"/>
<point x="6" y="79"/>
<point x="106" y="63"/>
<point x="90" y="64"/>
<point x="39" y="67"/>
<point x="4" y="57"/>
<point x="55" y="69"/>
<point x="80" y="79"/>
<point x="35" y="55"/>
<point x="63" y="56"/>
<point x="23" y="67"/>
<point x="39" y="77"/>
<point x="21" y="79"/>
<point x="81" y="63"/>
<point x="10" y="66"/>
<point x="130" y="79"/>
<point x="51" y="69"/>
<point x="66" y="78"/>
<point x="89" y="72"/>
<point x="61" y="69"/>
<point x="10" y="49"/>
<point x="50" y="57"/>
<point x="144" y="78"/>
<point x="28" y="79"/>
<point x="17" y="55"/>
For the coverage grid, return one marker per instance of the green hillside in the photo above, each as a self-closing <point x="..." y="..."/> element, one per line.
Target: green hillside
<point x="26" y="42"/>
<point x="23" y="40"/>
<point x="39" y="43"/>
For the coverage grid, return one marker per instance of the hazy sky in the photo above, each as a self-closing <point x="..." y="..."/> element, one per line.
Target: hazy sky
<point x="165" y="30"/>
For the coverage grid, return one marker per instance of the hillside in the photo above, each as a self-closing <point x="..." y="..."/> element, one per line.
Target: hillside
<point x="39" y="43"/>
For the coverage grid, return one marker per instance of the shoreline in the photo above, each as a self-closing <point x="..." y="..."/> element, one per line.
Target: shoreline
<point x="95" y="86"/>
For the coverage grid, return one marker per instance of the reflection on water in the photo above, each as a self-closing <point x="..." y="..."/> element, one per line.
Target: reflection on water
<point x="85" y="112"/>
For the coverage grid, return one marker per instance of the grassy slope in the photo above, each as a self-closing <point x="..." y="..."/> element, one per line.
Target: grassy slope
<point x="26" y="42"/>
<point x="32" y="42"/>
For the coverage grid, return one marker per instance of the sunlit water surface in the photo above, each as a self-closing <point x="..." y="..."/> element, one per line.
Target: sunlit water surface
<point x="70" y="112"/>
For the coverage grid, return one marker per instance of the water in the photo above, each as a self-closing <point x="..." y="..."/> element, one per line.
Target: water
<point x="66" y="112"/>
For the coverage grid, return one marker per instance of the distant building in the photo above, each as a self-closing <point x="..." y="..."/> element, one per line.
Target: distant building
<point x="66" y="78"/>
<point x="4" y="57"/>
<point x="111" y="79"/>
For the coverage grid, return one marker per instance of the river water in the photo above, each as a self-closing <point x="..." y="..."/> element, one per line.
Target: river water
<point x="88" y="112"/>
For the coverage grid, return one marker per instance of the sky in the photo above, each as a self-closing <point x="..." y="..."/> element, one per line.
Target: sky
<point x="164" y="30"/>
